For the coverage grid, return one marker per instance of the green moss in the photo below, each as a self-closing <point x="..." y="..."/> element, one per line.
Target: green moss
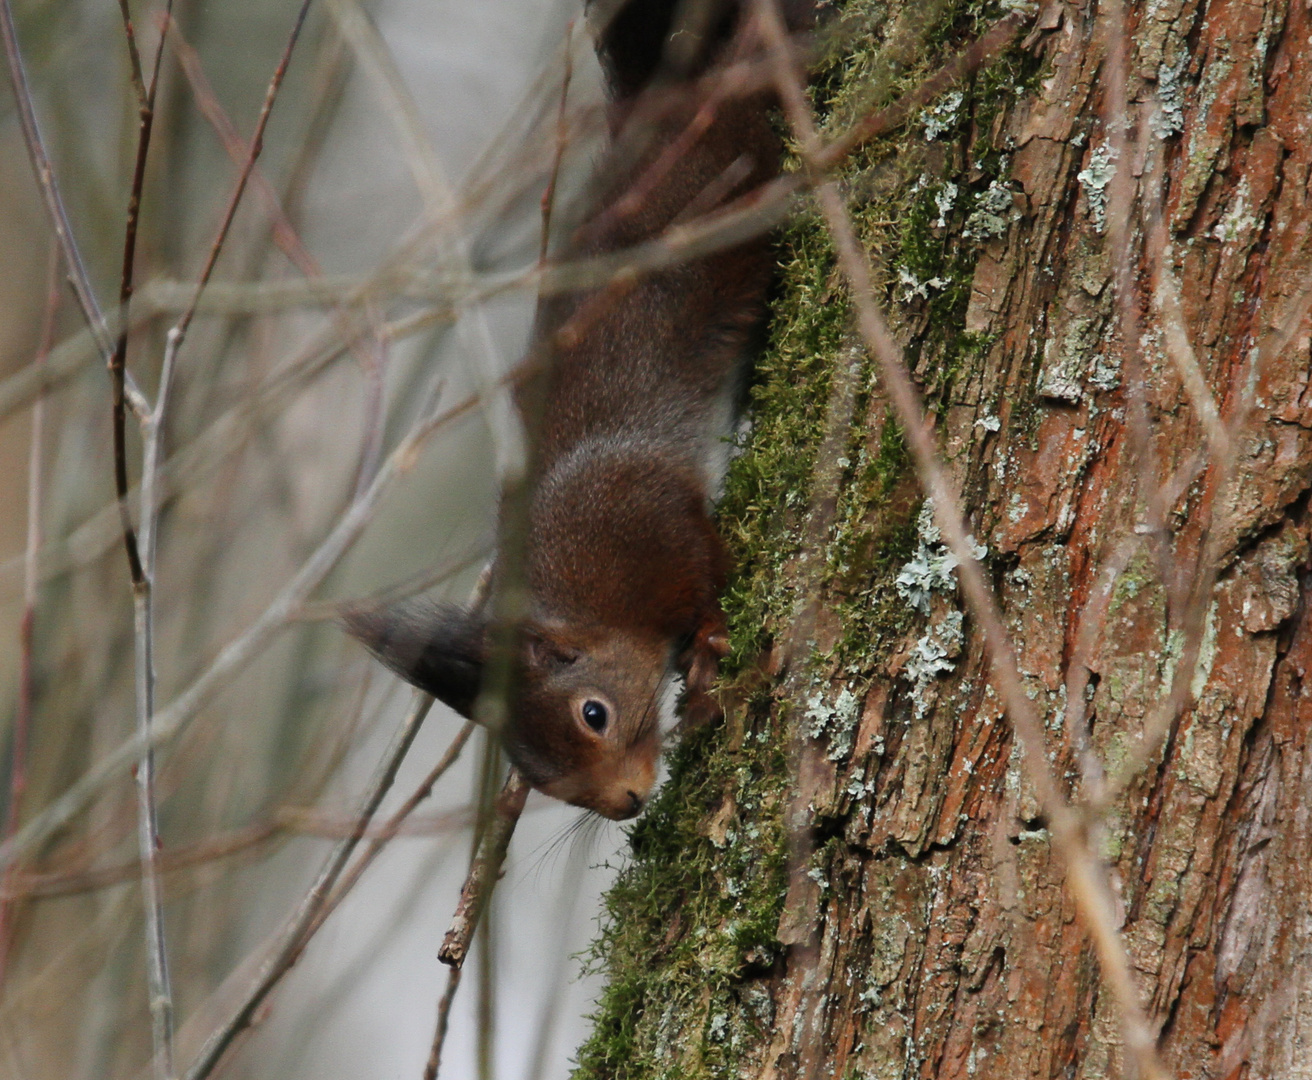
<point x="695" y="914"/>
<point x="688" y="940"/>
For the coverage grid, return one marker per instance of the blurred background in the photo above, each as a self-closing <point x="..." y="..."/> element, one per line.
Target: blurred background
<point x="378" y="271"/>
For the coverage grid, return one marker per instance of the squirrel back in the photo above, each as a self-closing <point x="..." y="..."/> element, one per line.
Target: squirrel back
<point x="623" y="565"/>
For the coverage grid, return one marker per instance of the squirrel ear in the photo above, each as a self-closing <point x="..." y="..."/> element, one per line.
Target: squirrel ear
<point x="545" y="649"/>
<point x="437" y="647"/>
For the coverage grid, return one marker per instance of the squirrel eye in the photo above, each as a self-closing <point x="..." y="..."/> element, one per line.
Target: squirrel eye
<point x="595" y="715"/>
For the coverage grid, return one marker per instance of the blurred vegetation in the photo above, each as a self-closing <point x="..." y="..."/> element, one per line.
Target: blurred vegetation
<point x="315" y="350"/>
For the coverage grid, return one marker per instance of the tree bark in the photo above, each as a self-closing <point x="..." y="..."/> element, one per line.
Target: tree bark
<point x="851" y="876"/>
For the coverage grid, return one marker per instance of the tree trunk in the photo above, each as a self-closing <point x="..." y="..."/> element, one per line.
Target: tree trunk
<point x="922" y="925"/>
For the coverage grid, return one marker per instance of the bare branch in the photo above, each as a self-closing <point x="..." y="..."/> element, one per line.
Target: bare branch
<point x="141" y="568"/>
<point x="484" y="871"/>
<point x="434" y="1062"/>
<point x="45" y="178"/>
<point x="148" y="840"/>
<point x="27" y="627"/>
<point x="177" y="716"/>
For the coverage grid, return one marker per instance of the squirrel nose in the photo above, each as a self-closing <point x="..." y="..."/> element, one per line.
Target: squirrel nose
<point x="635" y="803"/>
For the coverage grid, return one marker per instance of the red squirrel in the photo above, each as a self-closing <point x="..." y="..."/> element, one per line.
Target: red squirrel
<point x="622" y="563"/>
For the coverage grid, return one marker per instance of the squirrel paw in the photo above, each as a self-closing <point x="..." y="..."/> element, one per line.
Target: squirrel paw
<point x="701" y="659"/>
<point x="700" y="663"/>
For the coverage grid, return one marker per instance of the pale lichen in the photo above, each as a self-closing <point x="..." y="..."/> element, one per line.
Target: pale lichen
<point x="1168" y="119"/>
<point x="992" y="213"/>
<point x="944" y="200"/>
<point x="836" y="721"/>
<point x="1095" y="178"/>
<point x="941" y="117"/>
<point x="933" y="655"/>
<point x="932" y="567"/>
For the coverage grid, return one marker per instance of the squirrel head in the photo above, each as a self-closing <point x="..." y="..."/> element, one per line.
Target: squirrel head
<point x="583" y="725"/>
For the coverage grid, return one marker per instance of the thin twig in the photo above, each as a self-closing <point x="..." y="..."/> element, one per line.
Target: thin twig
<point x="289" y="821"/>
<point x="171" y="721"/>
<point x="148" y="841"/>
<point x="1166" y="293"/>
<point x="554" y="1001"/>
<point x="74" y="881"/>
<point x="134" y="55"/>
<point x="485" y="870"/>
<point x="308" y="911"/>
<point x="27" y="627"/>
<point x="485" y="1022"/>
<point x="252" y="155"/>
<point x="1188" y="591"/>
<point x="1085" y="874"/>
<point x="45" y="178"/>
<point x="562" y="133"/>
<point x="141" y="568"/>
<point x="434" y="1062"/>
<point x="118" y="361"/>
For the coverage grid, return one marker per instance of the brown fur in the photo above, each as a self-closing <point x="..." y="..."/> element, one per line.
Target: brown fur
<point x="623" y="564"/>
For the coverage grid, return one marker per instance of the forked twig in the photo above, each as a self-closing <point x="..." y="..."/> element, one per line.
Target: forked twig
<point x="118" y="361"/>
<point x="177" y="716"/>
<point x="141" y="563"/>
<point x="1085" y="873"/>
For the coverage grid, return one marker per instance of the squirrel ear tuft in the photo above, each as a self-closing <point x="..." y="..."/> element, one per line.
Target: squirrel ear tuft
<point x="437" y="647"/>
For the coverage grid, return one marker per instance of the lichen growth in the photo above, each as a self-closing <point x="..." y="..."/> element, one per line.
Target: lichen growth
<point x="931" y="570"/>
<point x="1096" y="178"/>
<point x="1168" y="118"/>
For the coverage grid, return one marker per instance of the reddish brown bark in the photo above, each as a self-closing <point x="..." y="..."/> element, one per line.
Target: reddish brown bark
<point x="946" y="897"/>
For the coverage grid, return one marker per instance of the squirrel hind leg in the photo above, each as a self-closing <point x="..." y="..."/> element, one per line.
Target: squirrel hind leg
<point x="700" y="663"/>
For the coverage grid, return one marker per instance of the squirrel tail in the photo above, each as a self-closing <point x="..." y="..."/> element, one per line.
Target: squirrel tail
<point x="646" y="42"/>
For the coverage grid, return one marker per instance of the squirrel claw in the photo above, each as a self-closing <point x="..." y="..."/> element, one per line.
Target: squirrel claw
<point x="717" y="641"/>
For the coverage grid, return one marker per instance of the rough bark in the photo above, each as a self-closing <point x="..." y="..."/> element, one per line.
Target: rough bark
<point x="929" y="932"/>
